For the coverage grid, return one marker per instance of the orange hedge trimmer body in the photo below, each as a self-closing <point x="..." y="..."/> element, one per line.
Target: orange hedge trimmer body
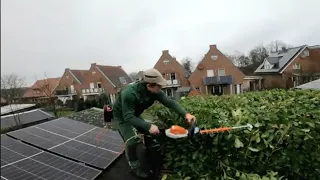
<point x="179" y="132"/>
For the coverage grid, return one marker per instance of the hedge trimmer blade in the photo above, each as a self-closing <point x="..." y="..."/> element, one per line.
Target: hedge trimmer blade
<point x="179" y="132"/>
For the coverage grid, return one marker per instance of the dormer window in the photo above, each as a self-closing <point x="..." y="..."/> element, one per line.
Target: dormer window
<point x="165" y="62"/>
<point x="123" y="80"/>
<point x="214" y="57"/>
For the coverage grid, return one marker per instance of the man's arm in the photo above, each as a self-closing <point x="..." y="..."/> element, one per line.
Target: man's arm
<point x="127" y="101"/>
<point x="169" y="103"/>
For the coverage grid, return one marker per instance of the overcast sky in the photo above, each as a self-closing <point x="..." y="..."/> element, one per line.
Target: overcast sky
<point x="47" y="36"/>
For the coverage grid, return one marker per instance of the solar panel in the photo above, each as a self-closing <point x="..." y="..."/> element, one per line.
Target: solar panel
<point x="74" y="140"/>
<point x="23" y="118"/>
<point x="22" y="161"/>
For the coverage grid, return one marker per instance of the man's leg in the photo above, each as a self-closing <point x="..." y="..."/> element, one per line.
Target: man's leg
<point x="129" y="136"/>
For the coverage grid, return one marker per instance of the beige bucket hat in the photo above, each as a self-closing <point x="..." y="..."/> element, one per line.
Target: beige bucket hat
<point x="154" y="76"/>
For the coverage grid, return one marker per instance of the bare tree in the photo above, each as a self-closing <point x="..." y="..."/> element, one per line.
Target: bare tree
<point x="239" y="59"/>
<point x="46" y="88"/>
<point x="188" y="65"/>
<point x="132" y="75"/>
<point x="12" y="90"/>
<point x="276" y="46"/>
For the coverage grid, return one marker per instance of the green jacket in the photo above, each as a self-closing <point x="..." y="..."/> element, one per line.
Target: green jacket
<point x="134" y="99"/>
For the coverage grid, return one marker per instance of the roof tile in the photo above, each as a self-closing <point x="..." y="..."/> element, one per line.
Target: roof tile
<point x="51" y="84"/>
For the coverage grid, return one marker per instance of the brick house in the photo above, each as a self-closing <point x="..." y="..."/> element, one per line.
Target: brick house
<point x="173" y="72"/>
<point x="111" y="78"/>
<point x="70" y="84"/>
<point x="216" y="74"/>
<point x="95" y="81"/>
<point x="42" y="90"/>
<point x="290" y="67"/>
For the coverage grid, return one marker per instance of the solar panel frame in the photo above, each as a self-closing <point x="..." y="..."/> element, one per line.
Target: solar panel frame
<point x="66" y="145"/>
<point x="24" y="118"/>
<point x="29" y="166"/>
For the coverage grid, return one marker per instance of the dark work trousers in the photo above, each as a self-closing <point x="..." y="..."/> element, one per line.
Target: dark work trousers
<point x="131" y="140"/>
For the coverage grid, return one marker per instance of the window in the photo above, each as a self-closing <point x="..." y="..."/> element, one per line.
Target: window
<point x="173" y="76"/>
<point x="91" y="85"/>
<point x="267" y="66"/>
<point x="296" y="66"/>
<point x="123" y="80"/>
<point x="214" y="57"/>
<point x="210" y="73"/>
<point x="99" y="84"/>
<point x="166" y="62"/>
<point x="221" y="72"/>
<point x="169" y="92"/>
<point x="93" y="72"/>
<point x="67" y="77"/>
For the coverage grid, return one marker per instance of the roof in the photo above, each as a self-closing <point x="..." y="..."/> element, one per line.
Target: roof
<point x="116" y="75"/>
<point x="248" y="70"/>
<point x="313" y="85"/>
<point x="183" y="89"/>
<point x="79" y="74"/>
<point x="280" y="59"/>
<point x="24" y="118"/>
<point x="47" y="85"/>
<point x="139" y="75"/>
<point x="16" y="92"/>
<point x="314" y="47"/>
<point x="15" y="107"/>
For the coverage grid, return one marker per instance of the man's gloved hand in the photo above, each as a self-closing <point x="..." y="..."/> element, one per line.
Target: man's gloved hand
<point x="154" y="129"/>
<point x="190" y="118"/>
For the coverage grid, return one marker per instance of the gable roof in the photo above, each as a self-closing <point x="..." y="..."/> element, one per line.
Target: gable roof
<point x="51" y="84"/>
<point x="79" y="74"/>
<point x="280" y="59"/>
<point x="115" y="74"/>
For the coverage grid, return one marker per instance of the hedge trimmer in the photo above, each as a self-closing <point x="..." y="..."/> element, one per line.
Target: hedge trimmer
<point x="176" y="131"/>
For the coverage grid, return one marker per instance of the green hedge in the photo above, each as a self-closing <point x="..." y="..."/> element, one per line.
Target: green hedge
<point x="284" y="143"/>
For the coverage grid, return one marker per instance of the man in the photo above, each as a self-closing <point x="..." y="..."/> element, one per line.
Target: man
<point x="131" y="103"/>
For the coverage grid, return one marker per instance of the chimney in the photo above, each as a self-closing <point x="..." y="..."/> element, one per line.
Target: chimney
<point x="93" y="64"/>
<point x="120" y="66"/>
<point x="165" y="52"/>
<point x="213" y="46"/>
<point x="67" y="69"/>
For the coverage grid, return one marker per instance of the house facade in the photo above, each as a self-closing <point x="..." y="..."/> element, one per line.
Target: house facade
<point x="291" y="67"/>
<point x="173" y="72"/>
<point x="216" y="74"/>
<point x="70" y="84"/>
<point x="88" y="84"/>
<point x="42" y="90"/>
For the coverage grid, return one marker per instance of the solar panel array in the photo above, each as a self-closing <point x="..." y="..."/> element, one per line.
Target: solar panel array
<point x="22" y="161"/>
<point x="56" y="146"/>
<point x="23" y="118"/>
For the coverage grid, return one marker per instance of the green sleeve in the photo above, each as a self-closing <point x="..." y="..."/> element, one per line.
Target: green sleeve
<point x="127" y="101"/>
<point x="169" y="103"/>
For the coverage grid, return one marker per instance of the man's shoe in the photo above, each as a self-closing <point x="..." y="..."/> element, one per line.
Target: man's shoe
<point x="139" y="173"/>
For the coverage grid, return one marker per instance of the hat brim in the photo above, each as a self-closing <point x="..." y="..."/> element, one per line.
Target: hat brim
<point x="163" y="82"/>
